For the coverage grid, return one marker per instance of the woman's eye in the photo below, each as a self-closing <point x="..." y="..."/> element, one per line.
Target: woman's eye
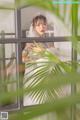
<point x="38" y="25"/>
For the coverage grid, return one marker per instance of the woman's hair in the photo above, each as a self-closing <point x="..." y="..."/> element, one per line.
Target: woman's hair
<point x="40" y="18"/>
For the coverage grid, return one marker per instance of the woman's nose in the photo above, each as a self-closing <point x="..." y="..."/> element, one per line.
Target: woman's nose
<point x="41" y="26"/>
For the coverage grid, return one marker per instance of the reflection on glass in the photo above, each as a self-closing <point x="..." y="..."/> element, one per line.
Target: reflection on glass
<point x="7" y="21"/>
<point x="10" y="50"/>
<point x="7" y="50"/>
<point x="8" y="79"/>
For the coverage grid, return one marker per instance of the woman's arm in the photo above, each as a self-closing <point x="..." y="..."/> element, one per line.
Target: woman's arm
<point x="25" y="53"/>
<point x="25" y="56"/>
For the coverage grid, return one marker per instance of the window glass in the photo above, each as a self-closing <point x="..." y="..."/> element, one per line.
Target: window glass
<point x="7" y="21"/>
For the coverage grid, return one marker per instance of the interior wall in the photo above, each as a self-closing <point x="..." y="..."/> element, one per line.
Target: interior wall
<point x="27" y="14"/>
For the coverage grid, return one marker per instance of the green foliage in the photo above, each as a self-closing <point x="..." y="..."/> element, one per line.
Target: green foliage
<point x="46" y="76"/>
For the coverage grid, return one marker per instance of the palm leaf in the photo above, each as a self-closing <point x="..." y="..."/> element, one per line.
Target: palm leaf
<point x="43" y="73"/>
<point x="38" y="110"/>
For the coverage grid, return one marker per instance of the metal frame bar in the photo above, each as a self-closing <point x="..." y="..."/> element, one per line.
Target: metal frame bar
<point x="18" y="53"/>
<point x="37" y="39"/>
<point x="7" y="34"/>
<point x="74" y="54"/>
<point x="11" y="58"/>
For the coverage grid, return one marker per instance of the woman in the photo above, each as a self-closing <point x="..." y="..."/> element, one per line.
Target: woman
<point x="37" y="29"/>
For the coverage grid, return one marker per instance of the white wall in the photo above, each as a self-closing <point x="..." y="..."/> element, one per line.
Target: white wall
<point x="28" y="13"/>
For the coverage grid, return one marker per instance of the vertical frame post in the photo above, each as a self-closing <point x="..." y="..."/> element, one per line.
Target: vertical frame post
<point x="18" y="54"/>
<point x="74" y="52"/>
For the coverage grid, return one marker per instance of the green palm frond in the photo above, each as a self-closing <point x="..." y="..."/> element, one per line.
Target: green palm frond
<point x="45" y="77"/>
<point x="38" y="110"/>
<point x="41" y="74"/>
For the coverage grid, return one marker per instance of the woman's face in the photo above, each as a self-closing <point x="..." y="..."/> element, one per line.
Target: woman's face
<point x="40" y="27"/>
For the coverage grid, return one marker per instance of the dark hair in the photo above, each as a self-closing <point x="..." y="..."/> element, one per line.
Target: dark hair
<point x="39" y="17"/>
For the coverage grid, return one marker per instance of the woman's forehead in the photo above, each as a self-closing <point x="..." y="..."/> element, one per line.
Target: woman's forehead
<point x="40" y="21"/>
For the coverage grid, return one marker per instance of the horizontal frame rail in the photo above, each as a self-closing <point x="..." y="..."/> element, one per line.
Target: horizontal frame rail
<point x="11" y="58"/>
<point x="7" y="34"/>
<point x="36" y="39"/>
